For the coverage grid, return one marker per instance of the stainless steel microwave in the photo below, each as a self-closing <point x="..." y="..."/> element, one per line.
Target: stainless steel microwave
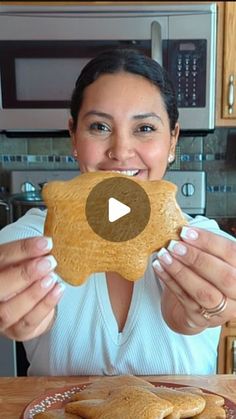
<point x="43" y="49"/>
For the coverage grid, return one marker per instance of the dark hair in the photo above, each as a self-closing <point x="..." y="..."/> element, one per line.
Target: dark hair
<point x="131" y="61"/>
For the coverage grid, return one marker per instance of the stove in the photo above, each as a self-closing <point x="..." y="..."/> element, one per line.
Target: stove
<point x="191" y="194"/>
<point x="24" y="188"/>
<point x="18" y="179"/>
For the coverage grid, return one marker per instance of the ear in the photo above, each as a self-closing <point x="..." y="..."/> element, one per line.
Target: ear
<point x="174" y="138"/>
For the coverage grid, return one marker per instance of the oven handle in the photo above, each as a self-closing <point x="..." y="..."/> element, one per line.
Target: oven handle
<point x="156" y="45"/>
<point x="7" y="210"/>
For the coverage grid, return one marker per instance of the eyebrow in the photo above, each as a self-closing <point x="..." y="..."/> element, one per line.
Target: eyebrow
<point x="97" y="113"/>
<point x="137" y="117"/>
<point x="148" y="115"/>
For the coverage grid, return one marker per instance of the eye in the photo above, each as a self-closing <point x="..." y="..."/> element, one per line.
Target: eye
<point x="99" y="126"/>
<point x="146" y="128"/>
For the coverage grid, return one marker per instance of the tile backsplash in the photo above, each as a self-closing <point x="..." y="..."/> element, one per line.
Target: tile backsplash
<point x="36" y="153"/>
<point x="214" y="153"/>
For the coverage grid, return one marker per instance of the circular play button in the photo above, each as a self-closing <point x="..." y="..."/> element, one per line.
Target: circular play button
<point x="118" y="209"/>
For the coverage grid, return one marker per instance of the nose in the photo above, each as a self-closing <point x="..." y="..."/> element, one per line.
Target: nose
<point x="121" y="150"/>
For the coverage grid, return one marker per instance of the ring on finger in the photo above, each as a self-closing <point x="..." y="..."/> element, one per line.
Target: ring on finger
<point x="207" y="313"/>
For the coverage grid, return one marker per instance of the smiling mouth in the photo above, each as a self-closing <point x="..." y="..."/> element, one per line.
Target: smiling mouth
<point x="129" y="172"/>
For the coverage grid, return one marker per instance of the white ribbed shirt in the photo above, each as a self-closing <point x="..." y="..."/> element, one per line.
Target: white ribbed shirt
<point x="85" y="339"/>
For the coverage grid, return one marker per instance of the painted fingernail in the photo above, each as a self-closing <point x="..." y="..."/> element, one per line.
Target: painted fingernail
<point x="58" y="290"/>
<point x="156" y="265"/>
<point x="191" y="324"/>
<point x="177" y="248"/>
<point x="164" y="255"/>
<point x="189" y="233"/>
<point x="46" y="264"/>
<point x="49" y="280"/>
<point x="44" y="243"/>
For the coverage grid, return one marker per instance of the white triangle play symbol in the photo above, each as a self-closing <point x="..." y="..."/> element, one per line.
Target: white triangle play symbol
<point x="116" y="209"/>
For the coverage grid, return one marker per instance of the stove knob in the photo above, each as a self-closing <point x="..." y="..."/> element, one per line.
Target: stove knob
<point x="188" y="189"/>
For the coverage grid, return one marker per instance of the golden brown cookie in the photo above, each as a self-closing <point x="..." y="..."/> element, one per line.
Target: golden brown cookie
<point x="212" y="412"/>
<point x="101" y="389"/>
<point x="194" y="390"/>
<point x="80" y="252"/>
<point x="127" y="402"/>
<point x="185" y="404"/>
<point x="210" y="398"/>
<point x="214" y="407"/>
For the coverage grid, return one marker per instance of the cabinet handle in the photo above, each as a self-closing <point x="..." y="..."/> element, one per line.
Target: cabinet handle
<point x="231" y="94"/>
<point x="156" y="45"/>
<point x="234" y="357"/>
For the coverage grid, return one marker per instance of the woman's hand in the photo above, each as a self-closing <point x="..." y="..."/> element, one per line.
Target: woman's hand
<point x="198" y="271"/>
<point x="29" y="290"/>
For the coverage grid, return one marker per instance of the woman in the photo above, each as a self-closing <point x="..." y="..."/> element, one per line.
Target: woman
<point x="123" y="118"/>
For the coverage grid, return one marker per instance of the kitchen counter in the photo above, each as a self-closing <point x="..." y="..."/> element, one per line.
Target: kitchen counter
<point x="16" y="393"/>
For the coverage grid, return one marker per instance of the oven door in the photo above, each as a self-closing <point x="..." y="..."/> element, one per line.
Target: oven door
<point x="5" y="213"/>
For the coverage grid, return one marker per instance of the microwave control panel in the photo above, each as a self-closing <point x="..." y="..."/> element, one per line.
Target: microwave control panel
<point x="185" y="61"/>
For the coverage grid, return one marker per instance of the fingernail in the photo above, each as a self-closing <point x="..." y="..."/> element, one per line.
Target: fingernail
<point x="191" y="324"/>
<point x="177" y="247"/>
<point x="156" y="265"/>
<point x="164" y="255"/>
<point x="44" y="243"/>
<point x="49" y="280"/>
<point x="189" y="234"/>
<point x="58" y="290"/>
<point x="46" y="264"/>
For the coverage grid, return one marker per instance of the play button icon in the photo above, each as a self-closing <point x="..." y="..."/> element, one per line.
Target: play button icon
<point x="117" y="208"/>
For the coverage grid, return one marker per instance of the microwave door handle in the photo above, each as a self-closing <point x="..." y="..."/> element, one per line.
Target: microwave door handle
<point x="156" y="45"/>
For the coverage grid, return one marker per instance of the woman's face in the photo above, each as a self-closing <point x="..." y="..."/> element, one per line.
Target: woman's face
<point x="123" y="126"/>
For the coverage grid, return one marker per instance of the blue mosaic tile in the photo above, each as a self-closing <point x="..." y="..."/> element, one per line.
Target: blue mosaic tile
<point x="210" y="157"/>
<point x="221" y="188"/>
<point x="198" y="157"/>
<point x="185" y="157"/>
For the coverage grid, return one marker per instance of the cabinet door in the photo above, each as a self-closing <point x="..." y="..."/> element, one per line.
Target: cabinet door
<point x="229" y="62"/>
<point x="230" y="355"/>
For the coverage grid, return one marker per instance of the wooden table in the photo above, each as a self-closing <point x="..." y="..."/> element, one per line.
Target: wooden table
<point x="16" y="393"/>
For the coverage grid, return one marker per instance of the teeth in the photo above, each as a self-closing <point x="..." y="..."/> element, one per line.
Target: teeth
<point x="126" y="172"/>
